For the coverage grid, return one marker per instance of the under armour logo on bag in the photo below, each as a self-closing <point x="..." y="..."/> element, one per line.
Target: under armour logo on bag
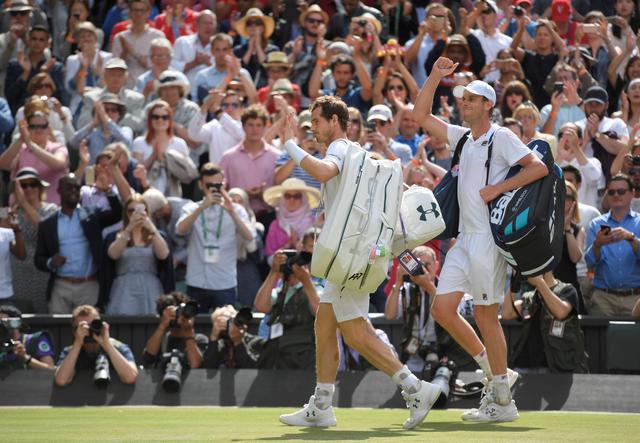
<point x="423" y="212"/>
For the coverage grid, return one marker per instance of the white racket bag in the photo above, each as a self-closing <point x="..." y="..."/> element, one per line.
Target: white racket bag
<point x="420" y="219"/>
<point x="354" y="247"/>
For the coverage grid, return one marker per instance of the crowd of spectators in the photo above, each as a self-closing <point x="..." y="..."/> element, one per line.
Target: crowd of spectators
<point x="141" y="151"/>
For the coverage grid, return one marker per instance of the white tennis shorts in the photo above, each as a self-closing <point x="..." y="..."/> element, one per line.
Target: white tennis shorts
<point x="475" y="266"/>
<point x="348" y="304"/>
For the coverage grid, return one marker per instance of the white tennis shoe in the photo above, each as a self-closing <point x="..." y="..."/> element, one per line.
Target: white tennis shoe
<point x="310" y="416"/>
<point x="420" y="403"/>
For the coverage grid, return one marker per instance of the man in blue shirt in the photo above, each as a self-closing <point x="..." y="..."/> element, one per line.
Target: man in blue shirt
<point x="612" y="249"/>
<point x="69" y="247"/>
<point x="343" y="69"/>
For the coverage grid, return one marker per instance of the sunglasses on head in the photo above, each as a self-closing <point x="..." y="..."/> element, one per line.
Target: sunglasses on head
<point x="314" y="21"/>
<point x="42" y="126"/>
<point x="296" y="196"/>
<point x="164" y="117"/>
<point x="612" y="192"/>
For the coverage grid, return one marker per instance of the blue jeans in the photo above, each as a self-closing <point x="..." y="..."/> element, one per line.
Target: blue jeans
<point x="210" y="299"/>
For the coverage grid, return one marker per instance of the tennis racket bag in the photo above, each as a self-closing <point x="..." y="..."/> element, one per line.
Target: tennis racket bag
<point x="354" y="247"/>
<point x="420" y="219"/>
<point x="528" y="222"/>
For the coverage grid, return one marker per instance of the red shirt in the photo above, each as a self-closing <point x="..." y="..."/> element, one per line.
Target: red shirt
<point x="188" y="27"/>
<point x="265" y="99"/>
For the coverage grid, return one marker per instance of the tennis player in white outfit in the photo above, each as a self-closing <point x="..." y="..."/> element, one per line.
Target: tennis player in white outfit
<point x="474" y="264"/>
<point x="344" y="309"/>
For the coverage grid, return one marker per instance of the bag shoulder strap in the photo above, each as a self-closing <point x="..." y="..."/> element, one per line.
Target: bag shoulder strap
<point x="458" y="151"/>
<point x="487" y="164"/>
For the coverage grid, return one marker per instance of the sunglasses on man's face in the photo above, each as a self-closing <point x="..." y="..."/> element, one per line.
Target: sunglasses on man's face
<point x="314" y="21"/>
<point x="296" y="196"/>
<point x="19" y="13"/>
<point x="612" y="192"/>
<point x="42" y="126"/>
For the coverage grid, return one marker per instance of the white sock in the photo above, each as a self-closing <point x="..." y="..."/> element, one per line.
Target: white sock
<point x="502" y="393"/>
<point x="483" y="362"/>
<point x="406" y="380"/>
<point x="324" y="395"/>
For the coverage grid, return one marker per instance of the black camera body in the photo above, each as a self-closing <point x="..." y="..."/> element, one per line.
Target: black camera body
<point x="6" y="342"/>
<point x="240" y="320"/>
<point x="518" y="11"/>
<point x="95" y="328"/>
<point x="186" y="310"/>
<point x="294" y="257"/>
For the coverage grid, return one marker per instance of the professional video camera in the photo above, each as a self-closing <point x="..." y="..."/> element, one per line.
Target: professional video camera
<point x="442" y="373"/>
<point x="294" y="257"/>
<point x="101" y="377"/>
<point x="172" y="365"/>
<point x="6" y="342"/>
<point x="241" y="320"/>
<point x="186" y="310"/>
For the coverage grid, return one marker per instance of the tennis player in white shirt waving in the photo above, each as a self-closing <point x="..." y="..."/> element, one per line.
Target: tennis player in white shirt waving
<point x="339" y="308"/>
<point x="474" y="264"/>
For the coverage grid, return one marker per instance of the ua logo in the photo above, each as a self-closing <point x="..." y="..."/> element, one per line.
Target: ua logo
<point x="356" y="276"/>
<point x="423" y="212"/>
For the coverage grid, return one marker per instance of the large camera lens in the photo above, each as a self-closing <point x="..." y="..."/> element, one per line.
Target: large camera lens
<point x="96" y="327"/>
<point x="243" y="317"/>
<point x="101" y="376"/>
<point x="172" y="380"/>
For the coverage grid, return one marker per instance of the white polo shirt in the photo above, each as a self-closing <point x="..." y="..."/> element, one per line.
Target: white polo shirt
<point x="507" y="151"/>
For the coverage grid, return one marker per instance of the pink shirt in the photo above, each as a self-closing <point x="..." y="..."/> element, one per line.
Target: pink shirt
<point x="244" y="170"/>
<point x="276" y="238"/>
<point x="28" y="158"/>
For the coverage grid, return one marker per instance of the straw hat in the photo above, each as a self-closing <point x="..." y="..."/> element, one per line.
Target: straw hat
<point x="273" y="194"/>
<point x="84" y="27"/>
<point x="241" y="25"/>
<point x="276" y="59"/>
<point x="312" y="9"/>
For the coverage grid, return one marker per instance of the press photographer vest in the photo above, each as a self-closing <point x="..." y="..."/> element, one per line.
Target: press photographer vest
<point x="563" y="354"/>
<point x="30" y="342"/>
<point x="296" y="318"/>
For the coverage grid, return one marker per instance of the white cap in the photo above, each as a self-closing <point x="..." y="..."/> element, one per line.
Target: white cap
<point x="492" y="5"/>
<point x="476" y="87"/>
<point x="379" y="112"/>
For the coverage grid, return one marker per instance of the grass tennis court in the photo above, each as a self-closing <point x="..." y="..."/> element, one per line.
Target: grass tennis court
<point x="261" y="424"/>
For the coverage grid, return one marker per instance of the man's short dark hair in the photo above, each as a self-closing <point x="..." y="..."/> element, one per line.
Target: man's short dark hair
<point x="622" y="178"/>
<point x="329" y="106"/>
<point x="39" y="28"/>
<point x="256" y="111"/>
<point x="209" y="169"/>
<point x="573" y="170"/>
<point x="343" y="59"/>
<point x="173" y="299"/>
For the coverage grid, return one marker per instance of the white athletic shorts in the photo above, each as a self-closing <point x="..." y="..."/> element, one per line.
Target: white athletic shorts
<point x="474" y="266"/>
<point x="348" y="304"/>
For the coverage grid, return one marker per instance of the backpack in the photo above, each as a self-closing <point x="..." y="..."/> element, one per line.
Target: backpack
<point x="527" y="223"/>
<point x="354" y="246"/>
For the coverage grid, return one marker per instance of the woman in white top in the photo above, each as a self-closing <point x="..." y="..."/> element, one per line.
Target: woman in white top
<point x="165" y="156"/>
<point x="42" y="87"/>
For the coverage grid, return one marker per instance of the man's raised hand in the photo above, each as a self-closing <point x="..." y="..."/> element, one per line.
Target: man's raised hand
<point x="444" y="66"/>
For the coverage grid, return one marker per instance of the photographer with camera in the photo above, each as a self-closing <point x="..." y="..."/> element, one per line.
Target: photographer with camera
<point x="19" y="350"/>
<point x="410" y="300"/>
<point x="292" y="307"/>
<point x="93" y="349"/>
<point x="551" y="337"/>
<point x="175" y="331"/>
<point x="230" y="345"/>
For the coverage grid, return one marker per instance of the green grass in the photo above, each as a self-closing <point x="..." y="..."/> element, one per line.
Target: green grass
<point x="261" y="424"/>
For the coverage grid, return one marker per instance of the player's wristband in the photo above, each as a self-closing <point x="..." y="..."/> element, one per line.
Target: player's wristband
<point x="295" y="151"/>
